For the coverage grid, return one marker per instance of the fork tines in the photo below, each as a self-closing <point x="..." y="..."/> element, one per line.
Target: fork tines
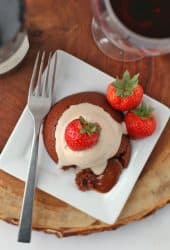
<point x="38" y="83"/>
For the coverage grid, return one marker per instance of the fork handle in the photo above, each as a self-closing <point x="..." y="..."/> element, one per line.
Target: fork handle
<point x="25" y="224"/>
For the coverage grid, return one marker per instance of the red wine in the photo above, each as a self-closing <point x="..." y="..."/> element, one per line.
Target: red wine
<point x="150" y="18"/>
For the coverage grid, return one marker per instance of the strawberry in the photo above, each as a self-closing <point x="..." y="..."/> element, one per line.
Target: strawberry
<point x="140" y="122"/>
<point x="125" y="94"/>
<point x="80" y="134"/>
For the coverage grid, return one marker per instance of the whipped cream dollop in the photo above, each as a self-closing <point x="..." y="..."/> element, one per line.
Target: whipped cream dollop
<point x="97" y="156"/>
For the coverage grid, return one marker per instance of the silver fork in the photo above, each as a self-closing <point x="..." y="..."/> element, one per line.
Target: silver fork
<point x="39" y="103"/>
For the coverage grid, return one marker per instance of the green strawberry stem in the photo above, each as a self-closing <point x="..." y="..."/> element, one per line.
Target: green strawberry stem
<point x="126" y="85"/>
<point x="144" y="111"/>
<point x="88" y="127"/>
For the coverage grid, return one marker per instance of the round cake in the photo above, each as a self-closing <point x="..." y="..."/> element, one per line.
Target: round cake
<point x="86" y="179"/>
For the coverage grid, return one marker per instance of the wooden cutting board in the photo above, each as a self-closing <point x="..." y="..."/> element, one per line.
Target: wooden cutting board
<point x="65" y="24"/>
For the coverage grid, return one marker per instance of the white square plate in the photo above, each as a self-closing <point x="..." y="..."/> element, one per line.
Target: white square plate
<point x="73" y="76"/>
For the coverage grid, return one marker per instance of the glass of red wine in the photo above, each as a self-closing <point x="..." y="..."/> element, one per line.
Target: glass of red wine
<point x="128" y="30"/>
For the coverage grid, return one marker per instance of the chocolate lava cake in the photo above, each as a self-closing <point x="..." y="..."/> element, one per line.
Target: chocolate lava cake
<point x="86" y="179"/>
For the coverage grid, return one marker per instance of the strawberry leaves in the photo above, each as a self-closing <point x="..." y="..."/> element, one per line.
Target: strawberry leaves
<point x="88" y="127"/>
<point x="126" y="85"/>
<point x="143" y="111"/>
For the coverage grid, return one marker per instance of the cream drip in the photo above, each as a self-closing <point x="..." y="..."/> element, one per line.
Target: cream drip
<point x="107" y="146"/>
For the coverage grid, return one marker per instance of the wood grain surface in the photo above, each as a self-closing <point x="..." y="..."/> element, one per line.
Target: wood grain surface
<point x="66" y="24"/>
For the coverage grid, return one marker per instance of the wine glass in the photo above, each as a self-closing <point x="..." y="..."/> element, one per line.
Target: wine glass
<point x="113" y="28"/>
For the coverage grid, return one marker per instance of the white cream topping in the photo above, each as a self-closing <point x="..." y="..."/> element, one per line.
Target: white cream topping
<point x="97" y="156"/>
